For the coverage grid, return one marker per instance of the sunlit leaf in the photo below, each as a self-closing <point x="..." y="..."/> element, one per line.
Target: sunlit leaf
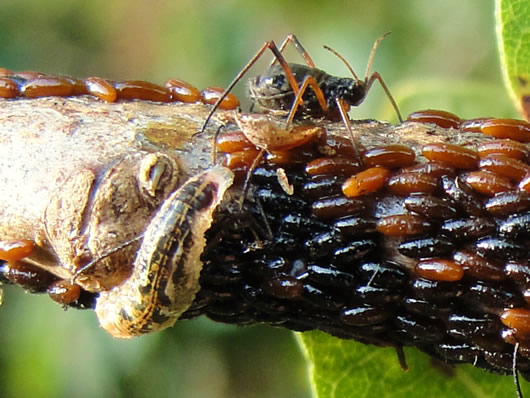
<point x="513" y="36"/>
<point x="344" y="369"/>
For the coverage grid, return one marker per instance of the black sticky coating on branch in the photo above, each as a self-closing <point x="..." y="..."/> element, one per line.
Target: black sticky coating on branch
<point x="274" y="262"/>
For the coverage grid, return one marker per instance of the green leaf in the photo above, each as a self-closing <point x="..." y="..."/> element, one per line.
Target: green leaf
<point x="346" y="369"/>
<point x="513" y="36"/>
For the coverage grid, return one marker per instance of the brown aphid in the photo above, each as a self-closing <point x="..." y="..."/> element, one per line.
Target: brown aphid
<point x="8" y="88"/>
<point x="452" y="155"/>
<point x="431" y="207"/>
<point x="233" y="141"/>
<point x="519" y="271"/>
<point x="288" y="157"/>
<point x="440" y="118"/>
<point x="365" y="182"/>
<point x="518" y="319"/>
<point x="490" y="342"/>
<point x="64" y="292"/>
<point x="524" y="185"/>
<point x="29" y="75"/>
<point x="28" y="276"/>
<point x="182" y="91"/>
<point x="474" y="125"/>
<point x="322" y="186"/>
<point x="287" y="287"/>
<point x="477" y="266"/>
<point x="510" y="336"/>
<point x="506" y="203"/>
<point x="334" y="207"/>
<point x="241" y="158"/>
<point x="505" y="166"/>
<point x="210" y="95"/>
<point x="439" y="269"/>
<point x="404" y="184"/>
<point x="389" y="156"/>
<point x="402" y="225"/>
<point x="336" y="165"/>
<point x="78" y="86"/>
<point x="101" y="88"/>
<point x="46" y="86"/>
<point x="365" y="315"/>
<point x="510" y="148"/>
<point x="13" y="250"/>
<point x="518" y="130"/>
<point x="434" y="169"/>
<point x="142" y="90"/>
<point x="487" y="183"/>
<point x="340" y="146"/>
<point x="524" y="349"/>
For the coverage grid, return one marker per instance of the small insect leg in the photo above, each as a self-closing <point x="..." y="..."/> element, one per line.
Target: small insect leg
<point x="308" y="81"/>
<point x="279" y="57"/>
<point x="515" y="373"/>
<point x="246" y="183"/>
<point x="401" y="358"/>
<point x="296" y="43"/>
<point x="342" y="106"/>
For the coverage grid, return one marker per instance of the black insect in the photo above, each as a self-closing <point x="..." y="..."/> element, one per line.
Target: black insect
<point x="283" y="87"/>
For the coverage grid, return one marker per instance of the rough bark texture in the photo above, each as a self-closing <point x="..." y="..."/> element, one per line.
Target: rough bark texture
<point x="58" y="153"/>
<point x="83" y="179"/>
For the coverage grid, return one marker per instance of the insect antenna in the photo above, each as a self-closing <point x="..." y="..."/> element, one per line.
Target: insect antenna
<point x="369" y="79"/>
<point x="342" y="107"/>
<point x="343" y="60"/>
<point x="372" y="55"/>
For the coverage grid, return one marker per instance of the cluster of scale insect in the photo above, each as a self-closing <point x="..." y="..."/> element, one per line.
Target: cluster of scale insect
<point x="424" y="246"/>
<point x="36" y="84"/>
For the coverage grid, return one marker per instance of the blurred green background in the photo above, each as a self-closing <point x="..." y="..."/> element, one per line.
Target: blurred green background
<point x="440" y="55"/>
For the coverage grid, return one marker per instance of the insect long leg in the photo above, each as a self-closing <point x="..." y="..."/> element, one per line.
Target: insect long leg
<point x="296" y="43"/>
<point x="376" y="76"/>
<point x="342" y="106"/>
<point x="515" y="372"/>
<point x="214" y="144"/>
<point x="252" y="168"/>
<point x="308" y="81"/>
<point x="279" y="57"/>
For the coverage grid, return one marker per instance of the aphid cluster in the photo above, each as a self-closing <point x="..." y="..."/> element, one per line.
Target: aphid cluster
<point x="423" y="246"/>
<point x="35" y="84"/>
<point x="37" y="280"/>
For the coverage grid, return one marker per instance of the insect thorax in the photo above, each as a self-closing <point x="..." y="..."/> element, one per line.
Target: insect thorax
<point x="272" y="91"/>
